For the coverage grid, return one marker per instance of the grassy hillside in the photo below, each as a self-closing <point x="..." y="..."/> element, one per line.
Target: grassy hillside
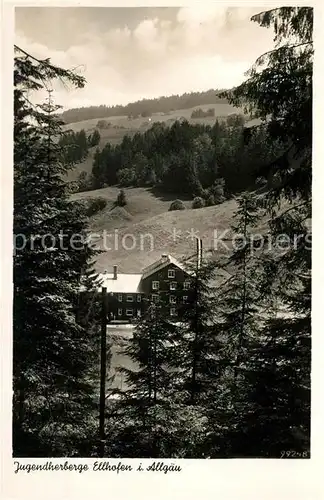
<point x="142" y="204"/>
<point x="151" y="228"/>
<point x="221" y="111"/>
<point x="137" y="234"/>
<point x="169" y="232"/>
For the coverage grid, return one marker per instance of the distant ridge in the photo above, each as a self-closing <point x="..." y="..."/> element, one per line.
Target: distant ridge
<point x="145" y="107"/>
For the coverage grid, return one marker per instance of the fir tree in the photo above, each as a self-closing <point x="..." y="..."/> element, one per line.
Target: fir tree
<point x="82" y="144"/>
<point x="94" y="139"/>
<point x="146" y="387"/>
<point x="97" y="170"/>
<point x="53" y="355"/>
<point x="279" y="90"/>
<point x="152" y="422"/>
<point x="194" y="358"/>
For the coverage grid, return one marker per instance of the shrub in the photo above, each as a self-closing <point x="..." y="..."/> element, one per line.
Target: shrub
<point x="103" y="124"/>
<point x="84" y="182"/>
<point x="200" y="113"/>
<point x="72" y="187"/>
<point x="198" y="202"/>
<point x="217" y="191"/>
<point x="95" y="205"/>
<point x="121" y="199"/>
<point x="126" y="176"/>
<point x="210" y="200"/>
<point x="219" y="198"/>
<point x="177" y="205"/>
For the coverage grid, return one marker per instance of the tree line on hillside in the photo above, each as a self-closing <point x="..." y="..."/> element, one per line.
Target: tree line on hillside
<point x="75" y="145"/>
<point x="200" y="113"/>
<point x="145" y="107"/>
<point x="190" y="160"/>
<point x="233" y="378"/>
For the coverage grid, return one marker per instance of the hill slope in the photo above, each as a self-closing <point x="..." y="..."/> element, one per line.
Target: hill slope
<point x="135" y="246"/>
<point x="134" y="236"/>
<point x="145" y="107"/>
<point x="142" y="203"/>
<point x="144" y="229"/>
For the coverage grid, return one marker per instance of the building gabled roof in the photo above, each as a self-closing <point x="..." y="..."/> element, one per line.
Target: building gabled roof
<point x="164" y="261"/>
<point x="125" y="283"/>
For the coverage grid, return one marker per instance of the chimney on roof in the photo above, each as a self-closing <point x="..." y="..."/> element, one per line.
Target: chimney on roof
<point x="115" y="272"/>
<point x="164" y="256"/>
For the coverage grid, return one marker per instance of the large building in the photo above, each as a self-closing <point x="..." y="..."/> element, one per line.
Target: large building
<point x="166" y="281"/>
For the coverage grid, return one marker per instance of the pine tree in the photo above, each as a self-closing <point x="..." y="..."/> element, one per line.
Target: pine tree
<point x="279" y="91"/>
<point x="121" y="198"/>
<point x="151" y="420"/>
<point x="82" y="144"/>
<point x="94" y="139"/>
<point x="241" y="293"/>
<point x="98" y="173"/>
<point x="147" y="386"/>
<point x="53" y="355"/>
<point x="200" y="360"/>
<point x="238" y="326"/>
<point x="282" y="355"/>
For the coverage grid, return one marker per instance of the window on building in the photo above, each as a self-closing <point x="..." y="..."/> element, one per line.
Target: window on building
<point x="120" y="298"/>
<point x="173" y="285"/>
<point x="171" y="273"/>
<point x="185" y="299"/>
<point x="129" y="312"/>
<point x="173" y="311"/>
<point x="173" y="299"/>
<point x="155" y="285"/>
<point x="129" y="298"/>
<point x="120" y="312"/>
<point x="154" y="297"/>
<point x="186" y="285"/>
<point x="139" y="298"/>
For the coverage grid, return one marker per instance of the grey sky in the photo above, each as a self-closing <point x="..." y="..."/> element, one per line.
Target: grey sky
<point x="128" y="54"/>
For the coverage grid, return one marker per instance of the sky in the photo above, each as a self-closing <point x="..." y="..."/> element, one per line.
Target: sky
<point x="128" y="54"/>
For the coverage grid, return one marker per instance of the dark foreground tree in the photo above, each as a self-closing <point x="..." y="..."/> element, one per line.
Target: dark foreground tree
<point x="150" y="420"/>
<point x="53" y="353"/>
<point x="279" y="90"/>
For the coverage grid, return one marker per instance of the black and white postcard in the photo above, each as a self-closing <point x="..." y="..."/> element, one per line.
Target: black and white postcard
<point x="160" y="280"/>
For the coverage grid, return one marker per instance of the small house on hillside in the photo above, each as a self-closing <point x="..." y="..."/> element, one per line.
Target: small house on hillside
<point x="165" y="280"/>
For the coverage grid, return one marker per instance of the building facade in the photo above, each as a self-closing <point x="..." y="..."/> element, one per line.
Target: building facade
<point x="165" y="281"/>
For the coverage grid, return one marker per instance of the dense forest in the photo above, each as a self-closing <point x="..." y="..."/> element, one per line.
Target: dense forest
<point x="187" y="159"/>
<point x="145" y="107"/>
<point x="74" y="146"/>
<point x="233" y="378"/>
